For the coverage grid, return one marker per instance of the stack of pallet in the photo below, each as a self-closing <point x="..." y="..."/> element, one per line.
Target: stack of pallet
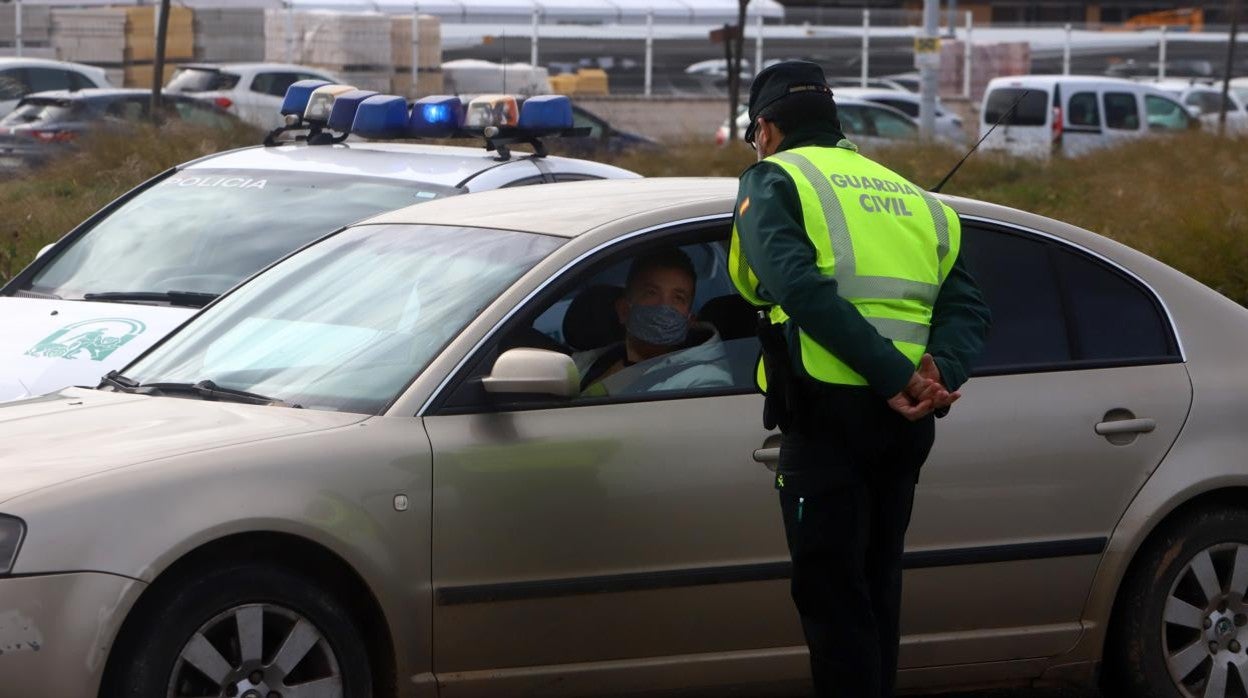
<point x="429" y="56"/>
<point x="987" y="62"/>
<point x="122" y="40"/>
<point x="36" y="30"/>
<point x="233" y="34"/>
<point x="353" y="45"/>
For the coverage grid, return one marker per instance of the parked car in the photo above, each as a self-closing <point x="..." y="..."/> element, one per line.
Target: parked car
<point x="20" y="77"/>
<point x="1205" y="101"/>
<point x="603" y="137"/>
<point x="948" y="125"/>
<point x="142" y="265"/>
<point x="866" y="123"/>
<point x="370" y="470"/>
<point x="1240" y="87"/>
<point x="251" y="91"/>
<point x="45" y="124"/>
<point x="882" y="83"/>
<point x="1072" y="115"/>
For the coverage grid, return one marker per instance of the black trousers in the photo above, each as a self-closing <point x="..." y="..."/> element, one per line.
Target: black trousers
<point x="846" y="481"/>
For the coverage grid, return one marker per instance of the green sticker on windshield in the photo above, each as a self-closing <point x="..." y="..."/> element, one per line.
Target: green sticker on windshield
<point x="95" y="339"/>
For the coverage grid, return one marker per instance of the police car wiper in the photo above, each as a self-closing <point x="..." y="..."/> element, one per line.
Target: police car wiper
<point x="211" y="391"/>
<point x="117" y="381"/>
<point x="188" y="299"/>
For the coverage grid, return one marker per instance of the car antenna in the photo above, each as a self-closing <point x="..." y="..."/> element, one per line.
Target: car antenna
<point x="936" y="189"/>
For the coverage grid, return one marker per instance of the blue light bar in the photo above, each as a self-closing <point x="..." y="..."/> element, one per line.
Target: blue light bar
<point x="297" y="95"/>
<point x="380" y="116"/>
<point x="436" y="116"/>
<point x="342" y="116"/>
<point x="546" y="113"/>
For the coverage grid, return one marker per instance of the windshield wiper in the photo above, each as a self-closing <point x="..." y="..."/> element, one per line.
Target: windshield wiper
<point x="119" y="382"/>
<point x="211" y="391"/>
<point x="189" y="299"/>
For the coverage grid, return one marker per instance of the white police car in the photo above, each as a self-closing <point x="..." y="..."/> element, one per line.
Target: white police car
<point x="145" y="263"/>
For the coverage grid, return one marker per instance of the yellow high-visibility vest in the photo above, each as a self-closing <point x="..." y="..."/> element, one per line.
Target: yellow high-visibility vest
<point x="888" y="243"/>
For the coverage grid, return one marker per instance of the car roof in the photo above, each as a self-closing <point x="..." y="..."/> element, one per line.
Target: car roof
<point x="441" y="165"/>
<point x="1050" y="80"/>
<point x="613" y="208"/>
<point x="571" y="209"/>
<point x="13" y="61"/>
<point x="255" y="67"/>
<point x="93" y="93"/>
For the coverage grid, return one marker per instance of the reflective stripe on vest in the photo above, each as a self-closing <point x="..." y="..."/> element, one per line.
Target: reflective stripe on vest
<point x="888" y="260"/>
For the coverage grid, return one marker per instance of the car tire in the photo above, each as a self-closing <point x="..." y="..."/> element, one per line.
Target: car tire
<point x="246" y="631"/>
<point x="1181" y="623"/>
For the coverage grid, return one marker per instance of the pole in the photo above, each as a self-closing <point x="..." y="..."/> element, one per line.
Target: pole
<point x="1230" y="66"/>
<point x="758" y="43"/>
<point x="953" y="18"/>
<point x="1161" y="54"/>
<point x="929" y="72"/>
<point x="866" y="45"/>
<point x="415" y="50"/>
<point x="966" y="56"/>
<point x="290" y="31"/>
<point x="1066" y="51"/>
<point x="17" y="27"/>
<point x="649" y="50"/>
<point x="537" y="16"/>
<point x="158" y="65"/>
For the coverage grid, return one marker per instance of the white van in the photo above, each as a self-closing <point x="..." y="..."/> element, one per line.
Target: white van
<point x="1071" y="115"/>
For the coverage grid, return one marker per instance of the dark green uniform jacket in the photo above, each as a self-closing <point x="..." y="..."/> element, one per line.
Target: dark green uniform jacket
<point x="776" y="245"/>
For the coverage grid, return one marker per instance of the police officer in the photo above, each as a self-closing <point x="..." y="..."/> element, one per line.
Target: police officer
<point x="871" y="323"/>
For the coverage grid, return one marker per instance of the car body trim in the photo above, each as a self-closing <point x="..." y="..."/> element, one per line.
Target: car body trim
<point x="553" y="278"/>
<point x="1178" y="339"/>
<point x="761" y="572"/>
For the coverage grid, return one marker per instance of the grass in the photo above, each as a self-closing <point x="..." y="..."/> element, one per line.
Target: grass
<point x="1179" y="199"/>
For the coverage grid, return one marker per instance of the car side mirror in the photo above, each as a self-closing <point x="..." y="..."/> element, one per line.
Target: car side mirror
<point x="43" y="250"/>
<point x="533" y="372"/>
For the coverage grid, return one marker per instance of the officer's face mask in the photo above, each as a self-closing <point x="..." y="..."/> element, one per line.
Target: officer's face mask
<point x="660" y="325"/>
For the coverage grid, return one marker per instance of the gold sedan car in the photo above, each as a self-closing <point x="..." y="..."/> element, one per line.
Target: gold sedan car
<point x="374" y="470"/>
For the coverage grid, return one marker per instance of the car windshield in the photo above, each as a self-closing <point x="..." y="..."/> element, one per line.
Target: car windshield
<point x="37" y="112"/>
<point x="201" y="80"/>
<point x="346" y="324"/>
<point x="206" y="230"/>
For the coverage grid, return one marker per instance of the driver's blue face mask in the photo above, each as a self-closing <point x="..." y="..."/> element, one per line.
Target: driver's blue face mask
<point x="660" y="325"/>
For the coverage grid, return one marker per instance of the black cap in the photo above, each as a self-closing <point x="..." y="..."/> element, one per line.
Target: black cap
<point x="781" y="80"/>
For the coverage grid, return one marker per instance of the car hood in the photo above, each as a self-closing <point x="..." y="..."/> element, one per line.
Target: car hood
<point x="77" y="432"/>
<point x="46" y="345"/>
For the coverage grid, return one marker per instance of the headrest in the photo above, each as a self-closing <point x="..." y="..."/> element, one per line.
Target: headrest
<point x="732" y="315"/>
<point x="591" y="321"/>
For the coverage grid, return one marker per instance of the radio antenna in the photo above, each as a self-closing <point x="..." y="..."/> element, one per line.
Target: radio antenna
<point x="936" y="189"/>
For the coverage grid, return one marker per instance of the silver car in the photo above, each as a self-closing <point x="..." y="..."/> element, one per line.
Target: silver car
<point x="372" y="468"/>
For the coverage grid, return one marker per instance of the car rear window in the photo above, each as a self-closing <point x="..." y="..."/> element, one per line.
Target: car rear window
<point x="38" y="112"/>
<point x="201" y="80"/>
<point x="1032" y="110"/>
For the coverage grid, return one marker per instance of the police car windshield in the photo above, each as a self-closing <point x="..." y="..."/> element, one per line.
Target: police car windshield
<point x="203" y="231"/>
<point x="347" y="323"/>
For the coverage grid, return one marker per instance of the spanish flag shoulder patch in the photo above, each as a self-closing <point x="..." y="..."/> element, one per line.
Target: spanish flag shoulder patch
<point x="745" y="206"/>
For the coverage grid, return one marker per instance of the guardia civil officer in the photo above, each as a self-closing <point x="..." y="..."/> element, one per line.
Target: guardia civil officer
<point x="871" y="323"/>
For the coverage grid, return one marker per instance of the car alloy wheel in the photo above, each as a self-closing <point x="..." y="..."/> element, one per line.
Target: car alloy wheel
<point x="1180" y="623"/>
<point x="240" y="630"/>
<point x="1205" y="626"/>
<point x="257" y="651"/>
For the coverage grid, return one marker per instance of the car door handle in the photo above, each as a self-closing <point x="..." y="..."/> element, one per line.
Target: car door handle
<point x="1126" y="426"/>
